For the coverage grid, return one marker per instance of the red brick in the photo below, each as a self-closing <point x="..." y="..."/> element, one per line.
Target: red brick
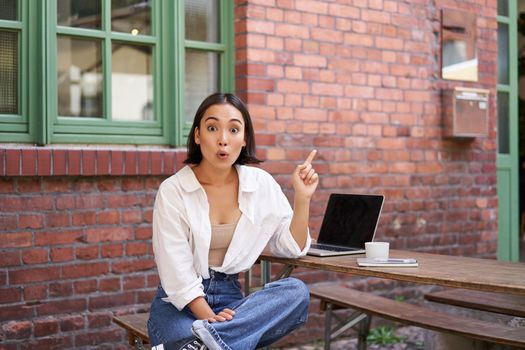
<point x="130" y="163"/>
<point x="133" y="282"/>
<point x="37" y="274"/>
<point x="108" y="217"/>
<point x="99" y="320"/>
<point x="156" y="163"/>
<point x="136" y="248"/>
<point x="84" y="218"/>
<point x="132" y="217"/>
<point x="144" y="165"/>
<point x="87" y="253"/>
<point x="143" y="233"/>
<point x="169" y="162"/>
<point x="85" y="286"/>
<point x="57" y="290"/>
<point x="29" y="162"/>
<point x="102" y="162"/>
<point x="44" y="162"/>
<point x="59" y="162"/>
<point x="34" y="221"/>
<point x="109" y="285"/>
<point x="319" y="7"/>
<point x="61" y="306"/>
<point x="17" y="329"/>
<point x="71" y="323"/>
<point x="112" y="250"/>
<point x="15" y="313"/>
<point x="58" y="219"/>
<point x="85" y="270"/>
<point x="16" y="240"/>
<point x="111" y="301"/>
<point x="132" y="265"/>
<point x="2" y="162"/>
<point x="106" y="234"/>
<point x="10" y="295"/>
<point x="98" y="337"/>
<point x="45" y="327"/>
<point x="35" y="292"/>
<point x="13" y="160"/>
<point x="89" y="162"/>
<point x="58" y="237"/>
<point x="10" y="258"/>
<point x="35" y="256"/>
<point x="61" y="254"/>
<point x="74" y="159"/>
<point x="117" y="162"/>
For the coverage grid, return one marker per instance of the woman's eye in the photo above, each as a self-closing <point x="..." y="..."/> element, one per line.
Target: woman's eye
<point x="211" y="128"/>
<point x="234" y="130"/>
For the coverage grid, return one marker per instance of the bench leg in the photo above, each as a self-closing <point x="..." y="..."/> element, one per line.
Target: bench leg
<point x="364" y="328"/>
<point x="327" y="326"/>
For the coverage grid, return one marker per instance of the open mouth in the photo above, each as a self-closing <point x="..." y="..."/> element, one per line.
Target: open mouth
<point x="222" y="155"/>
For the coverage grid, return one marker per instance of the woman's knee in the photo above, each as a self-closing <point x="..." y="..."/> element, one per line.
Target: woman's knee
<point x="298" y="288"/>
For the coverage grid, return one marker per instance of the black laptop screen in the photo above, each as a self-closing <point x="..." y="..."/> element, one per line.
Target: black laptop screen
<point x="350" y="220"/>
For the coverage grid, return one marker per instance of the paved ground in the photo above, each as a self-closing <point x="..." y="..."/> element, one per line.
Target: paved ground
<point x="413" y="340"/>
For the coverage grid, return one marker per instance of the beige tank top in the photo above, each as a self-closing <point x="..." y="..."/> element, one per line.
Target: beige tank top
<point x="221" y="236"/>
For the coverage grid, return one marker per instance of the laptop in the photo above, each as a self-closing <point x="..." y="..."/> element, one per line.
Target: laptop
<point x="349" y="221"/>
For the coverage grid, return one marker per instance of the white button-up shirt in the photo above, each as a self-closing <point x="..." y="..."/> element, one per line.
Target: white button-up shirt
<point x="182" y="230"/>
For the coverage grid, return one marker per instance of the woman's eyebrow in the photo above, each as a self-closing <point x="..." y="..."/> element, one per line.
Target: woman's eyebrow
<point x="236" y="120"/>
<point x="211" y="117"/>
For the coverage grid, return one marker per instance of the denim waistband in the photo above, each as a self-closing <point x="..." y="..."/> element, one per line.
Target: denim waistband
<point x="222" y="276"/>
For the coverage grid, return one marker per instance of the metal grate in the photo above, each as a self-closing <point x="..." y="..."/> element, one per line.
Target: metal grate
<point x="8" y="10"/>
<point x="8" y="72"/>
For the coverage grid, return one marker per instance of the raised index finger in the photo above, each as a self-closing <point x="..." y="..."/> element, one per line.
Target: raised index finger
<point x="311" y="156"/>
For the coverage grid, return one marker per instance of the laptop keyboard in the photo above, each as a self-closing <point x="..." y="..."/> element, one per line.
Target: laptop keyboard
<point x="331" y="248"/>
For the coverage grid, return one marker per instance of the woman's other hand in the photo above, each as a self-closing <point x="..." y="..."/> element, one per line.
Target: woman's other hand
<point x="304" y="178"/>
<point x="224" y="315"/>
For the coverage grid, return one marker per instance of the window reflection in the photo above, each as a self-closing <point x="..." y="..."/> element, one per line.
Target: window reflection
<point x="202" y="72"/>
<point x="131" y="16"/>
<point x="8" y="72"/>
<point x="79" y="13"/>
<point x="8" y="10"/>
<point x="202" y="20"/>
<point x="79" y="77"/>
<point x="132" y="82"/>
<point x="503" y="123"/>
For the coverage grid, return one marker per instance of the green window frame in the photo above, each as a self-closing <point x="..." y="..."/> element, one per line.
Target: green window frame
<point x="38" y="120"/>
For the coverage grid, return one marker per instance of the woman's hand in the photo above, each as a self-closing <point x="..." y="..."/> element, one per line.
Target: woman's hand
<point x="224" y="315"/>
<point x="305" y="179"/>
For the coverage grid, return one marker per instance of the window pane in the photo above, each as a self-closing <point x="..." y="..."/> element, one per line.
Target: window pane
<point x="8" y="10"/>
<point x="79" y="13"/>
<point x="131" y="16"/>
<point x="202" y="20"/>
<point x="8" y="72"/>
<point x="79" y="77"/>
<point x="503" y="8"/>
<point x="132" y="82"/>
<point x="503" y="123"/>
<point x="202" y="79"/>
<point x="503" y="53"/>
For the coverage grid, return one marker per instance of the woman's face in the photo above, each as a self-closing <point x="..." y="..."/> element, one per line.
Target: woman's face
<point x="221" y="135"/>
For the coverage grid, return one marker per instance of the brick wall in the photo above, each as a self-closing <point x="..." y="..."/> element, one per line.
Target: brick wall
<point x="358" y="80"/>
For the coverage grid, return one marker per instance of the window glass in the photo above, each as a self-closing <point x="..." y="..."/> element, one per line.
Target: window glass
<point x="79" y="13"/>
<point x="202" y="79"/>
<point x="503" y="122"/>
<point x="131" y="16"/>
<point x="79" y="77"/>
<point x="8" y="10"/>
<point x="8" y="72"/>
<point x="132" y="82"/>
<point x="503" y="8"/>
<point x="202" y="20"/>
<point x="503" y="53"/>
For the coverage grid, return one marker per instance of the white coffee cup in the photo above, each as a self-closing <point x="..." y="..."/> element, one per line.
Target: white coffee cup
<point x="377" y="250"/>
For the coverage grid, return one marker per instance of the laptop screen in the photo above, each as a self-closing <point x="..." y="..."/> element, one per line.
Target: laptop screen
<point x="350" y="219"/>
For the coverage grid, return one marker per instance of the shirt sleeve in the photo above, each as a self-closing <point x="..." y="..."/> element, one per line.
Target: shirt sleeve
<point x="282" y="243"/>
<point x="172" y="250"/>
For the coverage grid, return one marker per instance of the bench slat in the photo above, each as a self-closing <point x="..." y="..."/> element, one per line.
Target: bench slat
<point x="419" y="316"/>
<point x="136" y="325"/>
<point x="507" y="304"/>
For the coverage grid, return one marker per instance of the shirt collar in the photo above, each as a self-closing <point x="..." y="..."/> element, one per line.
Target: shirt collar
<point x="190" y="183"/>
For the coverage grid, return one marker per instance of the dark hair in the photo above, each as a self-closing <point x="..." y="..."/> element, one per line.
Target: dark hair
<point x="247" y="155"/>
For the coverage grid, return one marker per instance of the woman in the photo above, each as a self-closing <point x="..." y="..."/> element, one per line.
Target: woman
<point x="212" y="220"/>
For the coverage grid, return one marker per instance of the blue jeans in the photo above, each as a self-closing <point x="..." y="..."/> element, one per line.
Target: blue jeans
<point x="260" y="319"/>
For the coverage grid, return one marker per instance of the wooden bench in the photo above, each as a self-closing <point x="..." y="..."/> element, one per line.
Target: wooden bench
<point x="506" y="304"/>
<point x="369" y="304"/>
<point x="136" y="327"/>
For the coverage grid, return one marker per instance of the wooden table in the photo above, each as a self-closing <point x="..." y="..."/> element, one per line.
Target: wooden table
<point x="449" y="271"/>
